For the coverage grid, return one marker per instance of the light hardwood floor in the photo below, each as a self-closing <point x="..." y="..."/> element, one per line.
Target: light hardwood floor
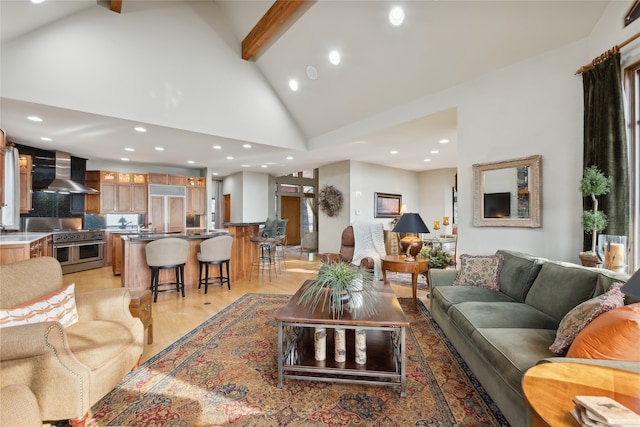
<point x="174" y="316"/>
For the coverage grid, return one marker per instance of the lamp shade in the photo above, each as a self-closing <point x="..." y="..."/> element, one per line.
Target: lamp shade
<point x="632" y="287"/>
<point x="410" y="223"/>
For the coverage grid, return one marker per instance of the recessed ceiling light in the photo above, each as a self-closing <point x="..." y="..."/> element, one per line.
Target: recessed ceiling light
<point x="427" y="160"/>
<point x="190" y="162"/>
<point x="139" y="129"/>
<point x="44" y="138"/>
<point x="444" y="141"/>
<point x="289" y="157"/>
<point x="159" y="149"/>
<point x="263" y="166"/>
<point x="129" y="149"/>
<point x="334" y="57"/>
<point x="434" y="151"/>
<point x="215" y="174"/>
<point x="393" y="152"/>
<point x="34" y="118"/>
<point x="229" y="157"/>
<point x="312" y="73"/>
<point x="246" y="166"/>
<point x="37" y="1"/>
<point x="217" y="147"/>
<point x="396" y="16"/>
<point x="124" y="159"/>
<point x="247" y="145"/>
<point x="293" y="85"/>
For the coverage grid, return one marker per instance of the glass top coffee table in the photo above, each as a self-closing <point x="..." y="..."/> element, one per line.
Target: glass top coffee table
<point x="307" y="342"/>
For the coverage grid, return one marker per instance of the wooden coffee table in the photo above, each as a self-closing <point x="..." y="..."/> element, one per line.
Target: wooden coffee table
<point x="549" y="389"/>
<point x="385" y="343"/>
<point x="399" y="264"/>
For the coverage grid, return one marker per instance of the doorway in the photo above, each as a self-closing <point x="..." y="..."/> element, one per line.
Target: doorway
<point x="227" y="208"/>
<point x="290" y="210"/>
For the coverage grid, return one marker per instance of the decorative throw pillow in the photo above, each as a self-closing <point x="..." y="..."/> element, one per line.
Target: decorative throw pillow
<point x="479" y="270"/>
<point x="614" y="335"/>
<point x="59" y="306"/>
<point x="580" y="316"/>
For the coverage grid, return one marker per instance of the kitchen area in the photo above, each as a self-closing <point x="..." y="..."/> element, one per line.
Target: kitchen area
<point x="53" y="206"/>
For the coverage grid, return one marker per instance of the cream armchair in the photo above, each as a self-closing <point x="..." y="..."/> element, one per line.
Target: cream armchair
<point x="68" y="369"/>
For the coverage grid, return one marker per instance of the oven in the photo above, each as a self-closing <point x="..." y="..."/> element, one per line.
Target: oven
<point x="79" y="250"/>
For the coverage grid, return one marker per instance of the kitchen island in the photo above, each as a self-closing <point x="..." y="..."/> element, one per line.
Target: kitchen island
<point x="136" y="274"/>
<point x="20" y="246"/>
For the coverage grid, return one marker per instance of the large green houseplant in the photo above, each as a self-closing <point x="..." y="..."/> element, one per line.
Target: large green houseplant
<point x="594" y="183"/>
<point x="341" y="286"/>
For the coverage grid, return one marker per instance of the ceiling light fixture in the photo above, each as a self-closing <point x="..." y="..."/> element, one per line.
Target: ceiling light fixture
<point x="393" y="152"/>
<point x="293" y="85"/>
<point x="215" y="174"/>
<point x="124" y="159"/>
<point x="334" y="57"/>
<point x="312" y="73"/>
<point x="246" y="166"/>
<point x="263" y="166"/>
<point x="434" y="151"/>
<point x="37" y="1"/>
<point x="229" y="157"/>
<point x="444" y="141"/>
<point x="44" y="138"/>
<point x="289" y="157"/>
<point x="217" y="147"/>
<point x="139" y="129"/>
<point x="396" y="16"/>
<point x="35" y="119"/>
<point x="427" y="160"/>
<point x="159" y="149"/>
<point x="129" y="149"/>
<point x="190" y="162"/>
<point x="247" y="145"/>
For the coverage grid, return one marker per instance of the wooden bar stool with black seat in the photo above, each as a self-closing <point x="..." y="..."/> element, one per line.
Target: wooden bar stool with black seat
<point x="216" y="250"/>
<point x="166" y="253"/>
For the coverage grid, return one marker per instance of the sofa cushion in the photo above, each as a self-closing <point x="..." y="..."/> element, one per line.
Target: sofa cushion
<point x="95" y="342"/>
<point x="581" y="315"/>
<point x="613" y="335"/>
<point x="446" y="296"/>
<point x="511" y="351"/>
<point x="518" y="273"/>
<point x="58" y="306"/>
<point x="561" y="286"/>
<point x="479" y="270"/>
<point x="468" y="316"/>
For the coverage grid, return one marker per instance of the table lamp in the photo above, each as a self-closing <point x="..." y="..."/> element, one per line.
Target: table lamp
<point x="411" y="224"/>
<point x="632" y="287"/>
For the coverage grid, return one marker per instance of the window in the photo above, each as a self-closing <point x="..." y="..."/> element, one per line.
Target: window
<point x="632" y="82"/>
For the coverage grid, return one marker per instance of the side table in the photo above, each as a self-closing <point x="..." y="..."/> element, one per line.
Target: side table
<point x="549" y="389"/>
<point x="141" y="306"/>
<point x="398" y="264"/>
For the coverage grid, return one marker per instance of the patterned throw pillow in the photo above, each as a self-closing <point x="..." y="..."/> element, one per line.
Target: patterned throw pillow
<point x="59" y="306"/>
<point x="581" y="315"/>
<point x="479" y="270"/>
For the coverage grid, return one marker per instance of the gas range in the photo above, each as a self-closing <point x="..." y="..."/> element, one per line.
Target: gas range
<point x="63" y="236"/>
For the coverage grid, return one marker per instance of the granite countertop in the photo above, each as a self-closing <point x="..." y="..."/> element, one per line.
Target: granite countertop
<point x="148" y="237"/>
<point x="22" y="238"/>
<point x="242" y="224"/>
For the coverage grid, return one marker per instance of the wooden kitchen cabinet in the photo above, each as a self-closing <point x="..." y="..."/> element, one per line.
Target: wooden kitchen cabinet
<point x="120" y="192"/>
<point x="26" y="165"/>
<point x="196" y="200"/>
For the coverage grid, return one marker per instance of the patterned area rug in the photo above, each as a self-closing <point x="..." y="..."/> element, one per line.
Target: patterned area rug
<point x="224" y="372"/>
<point x="404" y="279"/>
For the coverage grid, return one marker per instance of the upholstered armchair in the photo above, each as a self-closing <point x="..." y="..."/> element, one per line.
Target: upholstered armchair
<point x="347" y="247"/>
<point x="68" y="368"/>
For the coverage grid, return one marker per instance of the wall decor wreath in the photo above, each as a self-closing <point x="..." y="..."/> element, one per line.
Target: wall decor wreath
<point x="330" y="200"/>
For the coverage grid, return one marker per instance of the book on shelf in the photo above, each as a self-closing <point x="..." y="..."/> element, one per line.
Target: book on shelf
<point x="602" y="411"/>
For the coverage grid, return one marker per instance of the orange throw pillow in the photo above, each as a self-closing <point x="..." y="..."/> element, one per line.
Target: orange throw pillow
<point x="613" y="335"/>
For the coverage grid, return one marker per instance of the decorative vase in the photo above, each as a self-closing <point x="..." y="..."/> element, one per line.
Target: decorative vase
<point x="412" y="242"/>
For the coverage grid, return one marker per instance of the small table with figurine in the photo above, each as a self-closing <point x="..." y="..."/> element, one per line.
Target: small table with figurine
<point x="549" y="389"/>
<point x="399" y="264"/>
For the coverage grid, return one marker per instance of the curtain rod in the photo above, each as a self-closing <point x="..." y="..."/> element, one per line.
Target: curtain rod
<point x="607" y="54"/>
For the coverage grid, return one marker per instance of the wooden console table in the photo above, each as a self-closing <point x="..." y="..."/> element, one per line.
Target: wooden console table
<point x="549" y="389"/>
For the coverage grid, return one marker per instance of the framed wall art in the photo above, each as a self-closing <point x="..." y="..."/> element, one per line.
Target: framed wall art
<point x="387" y="205"/>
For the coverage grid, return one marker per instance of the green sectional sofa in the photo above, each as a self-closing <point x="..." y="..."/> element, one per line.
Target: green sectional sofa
<point x="501" y="334"/>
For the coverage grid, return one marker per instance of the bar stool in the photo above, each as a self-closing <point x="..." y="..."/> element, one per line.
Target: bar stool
<point x="166" y="253"/>
<point x="281" y="243"/>
<point x="214" y="251"/>
<point x="266" y="249"/>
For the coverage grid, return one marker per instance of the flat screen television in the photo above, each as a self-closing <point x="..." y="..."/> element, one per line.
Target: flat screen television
<point x="497" y="205"/>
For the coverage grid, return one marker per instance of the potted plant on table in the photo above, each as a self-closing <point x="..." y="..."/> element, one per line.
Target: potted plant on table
<point x="341" y="286"/>
<point x="437" y="257"/>
<point x="594" y="183"/>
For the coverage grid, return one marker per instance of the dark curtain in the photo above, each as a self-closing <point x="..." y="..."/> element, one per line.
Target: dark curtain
<point x="605" y="142"/>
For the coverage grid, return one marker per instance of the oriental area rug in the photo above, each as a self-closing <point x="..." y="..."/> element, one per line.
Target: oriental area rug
<point x="224" y="372"/>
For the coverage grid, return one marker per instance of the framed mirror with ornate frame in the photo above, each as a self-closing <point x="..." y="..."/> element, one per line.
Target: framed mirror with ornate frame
<point x="508" y="193"/>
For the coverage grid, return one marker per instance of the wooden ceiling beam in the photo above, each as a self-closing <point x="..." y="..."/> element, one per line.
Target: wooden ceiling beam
<point x="272" y="21"/>
<point x="116" y="5"/>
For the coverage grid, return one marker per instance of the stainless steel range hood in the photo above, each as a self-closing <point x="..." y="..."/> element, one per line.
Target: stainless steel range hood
<point x="63" y="183"/>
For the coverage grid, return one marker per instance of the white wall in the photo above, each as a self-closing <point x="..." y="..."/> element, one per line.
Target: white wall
<point x="330" y="228"/>
<point x="256" y="194"/>
<point x="436" y="197"/>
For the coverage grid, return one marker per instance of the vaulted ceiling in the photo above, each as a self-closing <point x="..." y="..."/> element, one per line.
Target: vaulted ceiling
<point x="359" y="109"/>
